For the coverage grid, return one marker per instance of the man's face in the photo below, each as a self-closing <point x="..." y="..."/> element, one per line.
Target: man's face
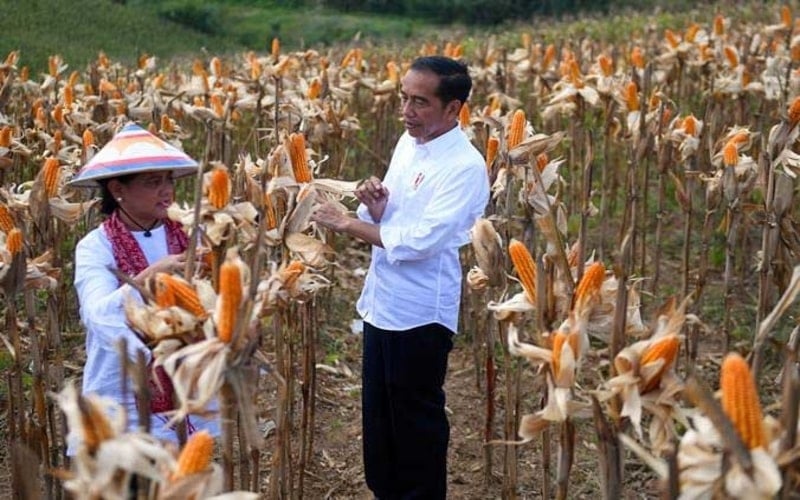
<point x="425" y="116"/>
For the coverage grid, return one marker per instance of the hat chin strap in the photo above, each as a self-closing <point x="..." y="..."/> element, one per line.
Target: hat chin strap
<point x="146" y="230"/>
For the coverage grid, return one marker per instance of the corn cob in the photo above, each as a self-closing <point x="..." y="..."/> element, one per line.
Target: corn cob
<point x="794" y="112"/>
<point x="637" y="57"/>
<point x="50" y="174"/>
<point x="314" y="89"/>
<point x="291" y="272"/>
<point x="730" y="154"/>
<point x="690" y="125"/>
<point x="69" y="96"/>
<point x="516" y="129"/>
<point x="732" y="56"/>
<point x="6" y="220"/>
<point x="671" y="38"/>
<point x="164" y="296"/>
<point x="786" y="16"/>
<point x="719" y="25"/>
<point x="632" y="96"/>
<point x="24" y="74"/>
<point x="740" y="400"/>
<point x="590" y="284"/>
<point x="392" y="73"/>
<point x="269" y="208"/>
<point x="526" y="268"/>
<point x="52" y="65"/>
<point x="665" y="348"/>
<point x="167" y="126"/>
<point x="275" y="48"/>
<point x="691" y="32"/>
<point x="88" y="139"/>
<point x="94" y="423"/>
<point x="219" y="187"/>
<point x="14" y="241"/>
<point x="102" y="60"/>
<point x="463" y="116"/>
<point x="549" y="56"/>
<point x="195" y="456"/>
<point x="541" y="161"/>
<point x="606" y="65"/>
<point x="491" y="150"/>
<point x="217" y="105"/>
<point x="559" y="339"/>
<point x="297" y="153"/>
<point x="183" y="294"/>
<point x="230" y="298"/>
<point x="5" y="137"/>
<point x="216" y="66"/>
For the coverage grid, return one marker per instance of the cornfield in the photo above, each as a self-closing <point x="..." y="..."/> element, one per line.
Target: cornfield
<point x="642" y="206"/>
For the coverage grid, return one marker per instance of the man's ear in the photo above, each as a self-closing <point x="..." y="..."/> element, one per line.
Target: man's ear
<point x="454" y="107"/>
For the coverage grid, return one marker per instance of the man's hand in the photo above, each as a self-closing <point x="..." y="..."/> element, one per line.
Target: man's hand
<point x="374" y="195"/>
<point x="329" y="215"/>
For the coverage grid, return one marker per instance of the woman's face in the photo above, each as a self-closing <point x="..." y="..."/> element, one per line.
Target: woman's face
<point x="146" y="196"/>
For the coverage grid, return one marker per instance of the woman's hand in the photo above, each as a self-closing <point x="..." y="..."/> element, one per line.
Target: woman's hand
<point x="171" y="264"/>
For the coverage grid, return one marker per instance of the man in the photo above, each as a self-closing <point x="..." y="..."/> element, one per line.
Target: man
<point x="416" y="219"/>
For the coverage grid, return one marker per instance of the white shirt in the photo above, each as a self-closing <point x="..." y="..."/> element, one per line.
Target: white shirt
<point x="102" y="312"/>
<point x="436" y="192"/>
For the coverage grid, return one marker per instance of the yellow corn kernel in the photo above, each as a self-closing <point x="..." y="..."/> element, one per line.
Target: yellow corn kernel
<point x="665" y="348"/>
<point x="463" y="116"/>
<point x="219" y="187"/>
<point x="230" y="298"/>
<point x="516" y="129"/>
<point x="195" y="456"/>
<point x="6" y="219"/>
<point x="50" y="174"/>
<point x="492" y="144"/>
<point x="525" y="266"/>
<point x="14" y="241"/>
<point x="297" y="153"/>
<point x="730" y="154"/>
<point x="94" y="423"/>
<point x="740" y="400"/>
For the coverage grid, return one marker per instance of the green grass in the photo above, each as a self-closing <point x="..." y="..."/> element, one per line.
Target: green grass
<point x="78" y="30"/>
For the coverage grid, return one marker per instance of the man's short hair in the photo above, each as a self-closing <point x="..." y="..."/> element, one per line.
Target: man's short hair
<point x="454" y="79"/>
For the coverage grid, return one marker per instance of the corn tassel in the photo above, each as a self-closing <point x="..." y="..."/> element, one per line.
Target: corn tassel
<point x="516" y="130"/>
<point x="219" y="187"/>
<point x="665" y="348"/>
<point x="297" y="153"/>
<point x="195" y="456"/>
<point x="230" y="298"/>
<point x="525" y="266"/>
<point x="50" y="174"/>
<point x="740" y="400"/>
<point x="14" y="241"/>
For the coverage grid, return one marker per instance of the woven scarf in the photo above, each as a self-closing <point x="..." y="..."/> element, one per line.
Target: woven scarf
<point x="131" y="260"/>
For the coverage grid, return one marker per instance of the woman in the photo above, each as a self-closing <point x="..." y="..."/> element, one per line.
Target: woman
<point x="135" y="172"/>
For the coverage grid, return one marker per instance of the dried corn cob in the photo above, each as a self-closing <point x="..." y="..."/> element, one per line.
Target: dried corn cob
<point x="491" y="150"/>
<point x="463" y="116"/>
<point x="291" y="272"/>
<point x="184" y="294"/>
<point x="314" y="89"/>
<point x="637" y="57"/>
<point x="14" y="241"/>
<point x="794" y="111"/>
<point x="195" y="456"/>
<point x="740" y="400"/>
<point x="606" y="65"/>
<point x="219" y="187"/>
<point x="297" y="153"/>
<point x="6" y="220"/>
<point x="632" y="96"/>
<point x="230" y="298"/>
<point x="94" y="423"/>
<point x="50" y="173"/>
<point x="665" y="348"/>
<point x="5" y="137"/>
<point x="525" y="266"/>
<point x="730" y="154"/>
<point x="590" y="284"/>
<point x="516" y="129"/>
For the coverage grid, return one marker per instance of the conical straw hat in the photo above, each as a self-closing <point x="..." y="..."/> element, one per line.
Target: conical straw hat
<point x="133" y="150"/>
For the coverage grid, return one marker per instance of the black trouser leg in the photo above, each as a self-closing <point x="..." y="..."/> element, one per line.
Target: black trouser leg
<point x="406" y="432"/>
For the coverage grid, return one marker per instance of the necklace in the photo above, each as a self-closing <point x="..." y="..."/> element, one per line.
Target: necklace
<point x="146" y="230"/>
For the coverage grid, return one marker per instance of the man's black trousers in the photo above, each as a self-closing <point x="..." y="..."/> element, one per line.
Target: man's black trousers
<point x="406" y="432"/>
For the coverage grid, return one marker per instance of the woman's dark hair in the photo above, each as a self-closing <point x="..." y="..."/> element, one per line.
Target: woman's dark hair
<point x="107" y="201"/>
<point x="454" y="79"/>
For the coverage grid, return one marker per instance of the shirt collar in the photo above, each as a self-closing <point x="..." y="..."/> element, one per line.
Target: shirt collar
<point x="441" y="143"/>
